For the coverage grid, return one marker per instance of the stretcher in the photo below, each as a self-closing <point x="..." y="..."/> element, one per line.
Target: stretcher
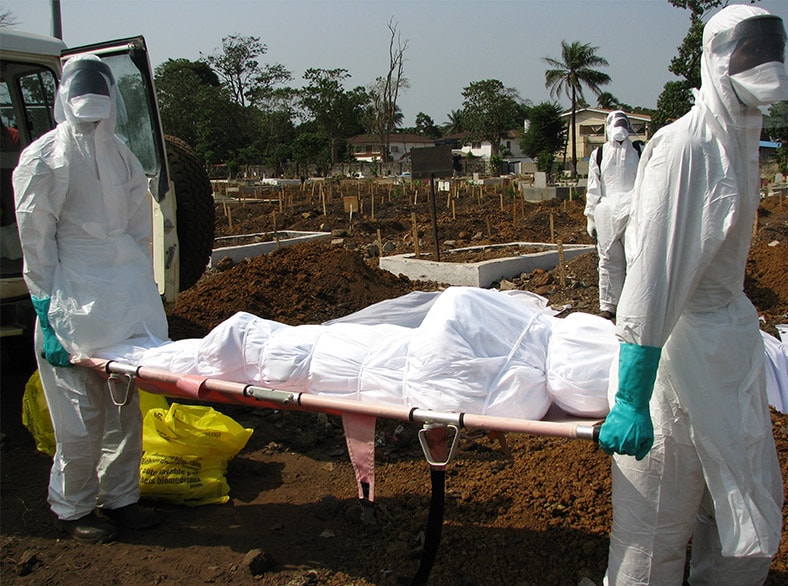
<point x="438" y="436"/>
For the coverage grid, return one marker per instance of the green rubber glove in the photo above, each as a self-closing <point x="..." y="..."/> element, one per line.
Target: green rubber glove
<point x="54" y="352"/>
<point x="627" y="428"/>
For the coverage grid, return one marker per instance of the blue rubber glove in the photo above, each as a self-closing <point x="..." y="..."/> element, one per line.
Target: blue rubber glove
<point x="54" y="352"/>
<point x="627" y="428"/>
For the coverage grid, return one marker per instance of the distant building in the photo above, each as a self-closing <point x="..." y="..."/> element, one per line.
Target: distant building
<point x="367" y="148"/>
<point x="508" y="148"/>
<point x="462" y="142"/>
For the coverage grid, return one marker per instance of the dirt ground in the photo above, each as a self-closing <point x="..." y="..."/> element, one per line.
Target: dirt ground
<point x="534" y="510"/>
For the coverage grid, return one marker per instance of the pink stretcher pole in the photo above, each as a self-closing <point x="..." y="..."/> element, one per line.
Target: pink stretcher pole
<point x="213" y="390"/>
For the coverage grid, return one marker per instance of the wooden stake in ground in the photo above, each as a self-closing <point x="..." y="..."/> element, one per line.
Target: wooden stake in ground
<point x="323" y="200"/>
<point x="415" y="234"/>
<point x="434" y="217"/>
<point x="276" y="232"/>
<point x="561" y="268"/>
<point x="229" y="216"/>
<point x="552" y="228"/>
<point x="380" y="243"/>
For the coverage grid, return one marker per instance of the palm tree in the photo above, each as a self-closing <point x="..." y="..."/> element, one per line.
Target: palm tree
<point x="607" y="101"/>
<point x="570" y="73"/>
<point x="454" y="124"/>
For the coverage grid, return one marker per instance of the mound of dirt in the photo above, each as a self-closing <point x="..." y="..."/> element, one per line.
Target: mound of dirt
<point x="305" y="283"/>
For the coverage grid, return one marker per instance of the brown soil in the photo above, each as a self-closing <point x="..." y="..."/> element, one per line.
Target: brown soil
<point x="535" y="513"/>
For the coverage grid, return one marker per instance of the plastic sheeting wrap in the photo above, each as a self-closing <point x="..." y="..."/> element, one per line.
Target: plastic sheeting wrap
<point x="465" y="349"/>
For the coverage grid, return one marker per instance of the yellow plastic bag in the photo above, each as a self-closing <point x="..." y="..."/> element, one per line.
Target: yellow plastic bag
<point x="150" y="401"/>
<point x="186" y="449"/>
<point x="36" y="418"/>
<point x="35" y="415"/>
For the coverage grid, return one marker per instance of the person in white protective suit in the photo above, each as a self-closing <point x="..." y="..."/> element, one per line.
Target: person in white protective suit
<point x="705" y="465"/>
<point x="611" y="178"/>
<point x="85" y="227"/>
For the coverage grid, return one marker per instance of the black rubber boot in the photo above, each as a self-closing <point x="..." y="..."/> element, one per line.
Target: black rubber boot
<point x="133" y="516"/>
<point x="89" y="529"/>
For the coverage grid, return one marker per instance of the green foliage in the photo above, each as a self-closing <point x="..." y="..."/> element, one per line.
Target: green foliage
<point x="775" y="123"/>
<point x="425" y="126"/>
<point x="193" y="106"/>
<point x="455" y="123"/>
<point x="490" y="110"/>
<point x="496" y="163"/>
<point x="686" y="64"/>
<point x="546" y="130"/>
<point x="545" y="160"/>
<point x="237" y="66"/>
<point x="674" y="101"/>
<point x="335" y="111"/>
<point x="782" y="159"/>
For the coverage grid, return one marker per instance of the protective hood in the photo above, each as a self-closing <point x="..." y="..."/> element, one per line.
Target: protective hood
<point x="618" y="127"/>
<point x="717" y="92"/>
<point x="88" y="92"/>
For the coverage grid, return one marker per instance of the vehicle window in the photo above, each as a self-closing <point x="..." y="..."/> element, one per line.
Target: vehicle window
<point x="10" y="131"/>
<point x="9" y="155"/>
<point x="139" y="129"/>
<point x="37" y="90"/>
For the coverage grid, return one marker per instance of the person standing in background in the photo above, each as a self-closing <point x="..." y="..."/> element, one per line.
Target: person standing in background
<point x="611" y="177"/>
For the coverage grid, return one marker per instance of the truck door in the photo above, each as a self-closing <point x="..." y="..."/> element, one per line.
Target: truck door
<point x="128" y="59"/>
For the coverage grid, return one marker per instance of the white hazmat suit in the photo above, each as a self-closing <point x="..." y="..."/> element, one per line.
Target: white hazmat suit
<point x="608" y="199"/>
<point x="712" y="474"/>
<point x="85" y="227"/>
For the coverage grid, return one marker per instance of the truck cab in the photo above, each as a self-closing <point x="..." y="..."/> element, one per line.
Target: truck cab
<point x="180" y="192"/>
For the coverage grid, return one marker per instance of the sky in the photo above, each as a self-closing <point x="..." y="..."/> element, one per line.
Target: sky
<point x="450" y="43"/>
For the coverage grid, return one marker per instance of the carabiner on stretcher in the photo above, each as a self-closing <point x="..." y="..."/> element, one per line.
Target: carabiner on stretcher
<point x="120" y="388"/>
<point x="433" y="438"/>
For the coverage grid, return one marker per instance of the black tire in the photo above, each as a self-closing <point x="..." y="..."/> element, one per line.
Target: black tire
<point x="195" y="210"/>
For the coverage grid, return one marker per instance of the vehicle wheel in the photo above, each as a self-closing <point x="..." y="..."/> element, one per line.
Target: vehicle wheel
<point x="195" y="210"/>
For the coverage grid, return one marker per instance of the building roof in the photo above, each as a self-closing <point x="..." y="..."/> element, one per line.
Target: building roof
<point x="605" y="112"/>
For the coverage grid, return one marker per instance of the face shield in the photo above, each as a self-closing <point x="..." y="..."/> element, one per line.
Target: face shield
<point x="88" y="90"/>
<point x="756" y="67"/>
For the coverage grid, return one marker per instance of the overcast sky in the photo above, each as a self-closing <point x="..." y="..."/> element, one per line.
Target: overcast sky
<point x="450" y="43"/>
